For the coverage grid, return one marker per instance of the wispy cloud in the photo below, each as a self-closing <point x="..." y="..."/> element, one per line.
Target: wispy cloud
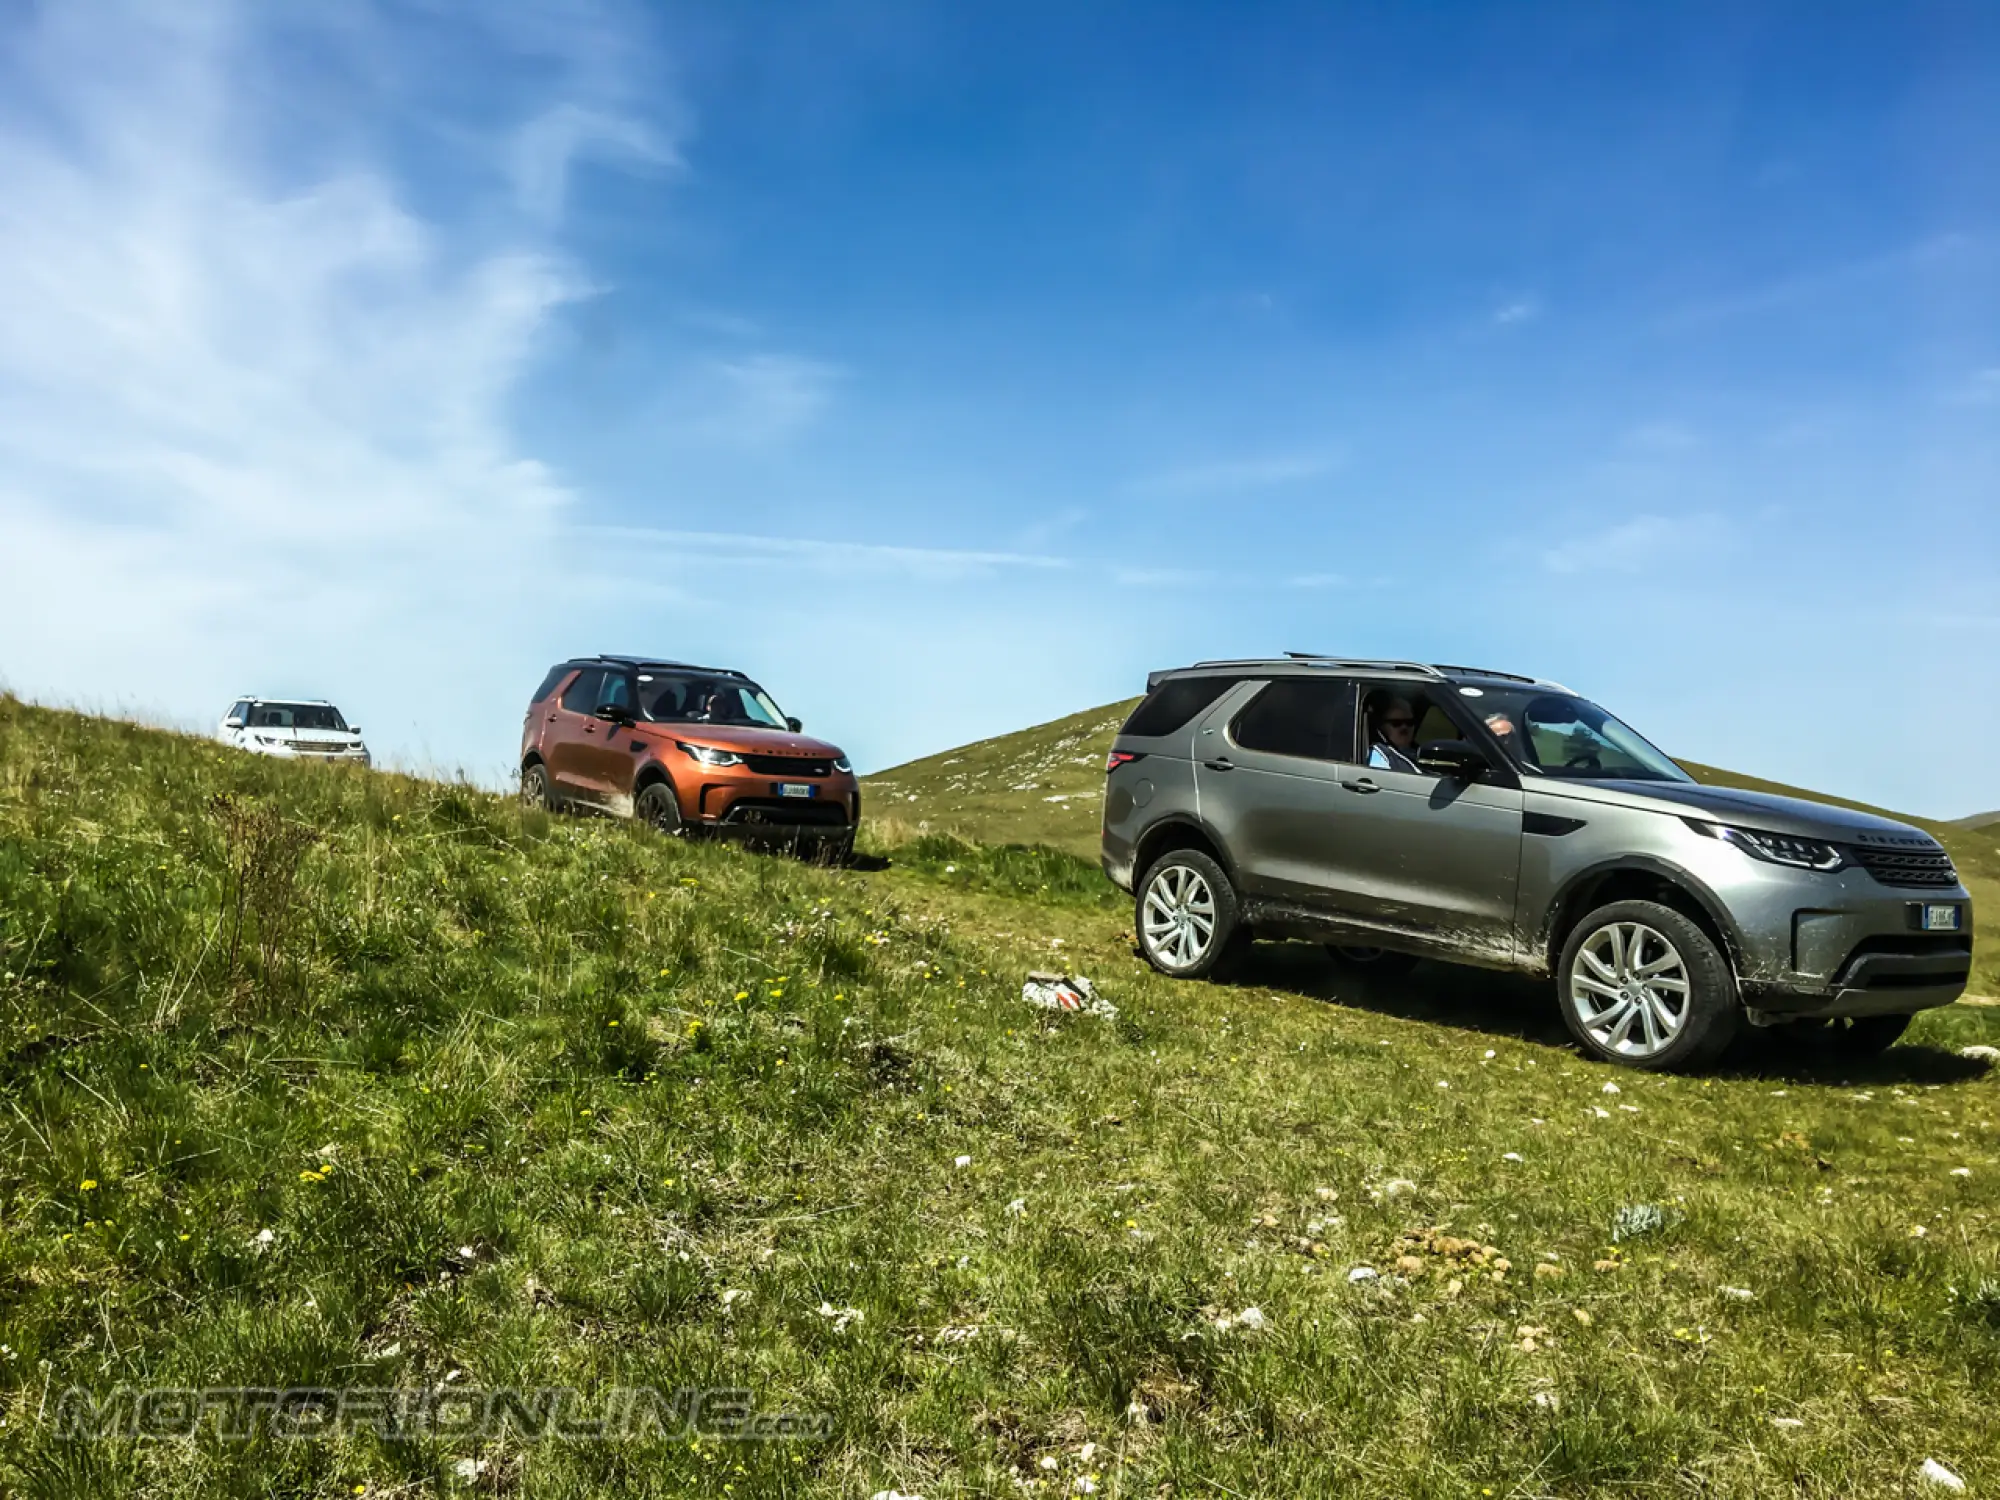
<point x="1517" y="310"/>
<point x="547" y="147"/>
<point x="1234" y="475"/>
<point x="252" y="420"/>
<point x="1980" y="388"/>
<point x="725" y="548"/>
<point x="1660" y="437"/>
<point x="1643" y="542"/>
<point x="1813" y="283"/>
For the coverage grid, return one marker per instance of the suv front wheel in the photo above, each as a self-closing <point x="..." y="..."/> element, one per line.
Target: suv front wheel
<point x="1641" y="984"/>
<point x="1187" y="917"/>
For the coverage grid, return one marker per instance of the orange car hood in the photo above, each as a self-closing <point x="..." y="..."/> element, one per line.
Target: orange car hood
<point x="745" y="739"/>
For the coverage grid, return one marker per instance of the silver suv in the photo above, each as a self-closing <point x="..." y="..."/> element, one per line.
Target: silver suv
<point x="1396" y="811"/>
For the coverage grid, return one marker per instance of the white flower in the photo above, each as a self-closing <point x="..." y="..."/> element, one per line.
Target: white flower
<point x="1018" y="1207"/>
<point x="469" y="1469"/>
<point x="1084" y="1485"/>
<point x="466" y="1252"/>
<point x="962" y="1161"/>
<point x="1602" y="1114"/>
<point x="1491" y="1053"/>
<point x="894" y="1494"/>
<point x="1049" y="1464"/>
<point x="1961" y="1171"/>
<point x="1738" y="1293"/>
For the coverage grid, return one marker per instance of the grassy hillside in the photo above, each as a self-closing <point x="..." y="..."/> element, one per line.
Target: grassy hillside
<point x="1045" y="786"/>
<point x="472" y="1097"/>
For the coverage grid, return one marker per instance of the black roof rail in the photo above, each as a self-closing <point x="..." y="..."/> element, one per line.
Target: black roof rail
<point x="656" y="661"/>
<point x="1443" y="667"/>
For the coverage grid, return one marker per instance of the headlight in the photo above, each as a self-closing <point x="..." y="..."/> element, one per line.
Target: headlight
<point x="711" y="757"/>
<point x="840" y="764"/>
<point x="1781" y="848"/>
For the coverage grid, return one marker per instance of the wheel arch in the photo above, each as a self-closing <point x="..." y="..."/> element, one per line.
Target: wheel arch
<point x="1638" y="878"/>
<point x="1178" y="831"/>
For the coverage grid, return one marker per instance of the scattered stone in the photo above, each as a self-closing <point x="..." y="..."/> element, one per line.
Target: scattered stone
<point x="1362" y="1273"/>
<point x="1937" y="1474"/>
<point x="1980" y="1052"/>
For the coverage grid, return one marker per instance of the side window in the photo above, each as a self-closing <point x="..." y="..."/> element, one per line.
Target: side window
<point x="1308" y="717"/>
<point x="1172" y="705"/>
<point x="580" y="697"/>
<point x="616" y="692"/>
<point x="239" y="711"/>
<point x="556" y="675"/>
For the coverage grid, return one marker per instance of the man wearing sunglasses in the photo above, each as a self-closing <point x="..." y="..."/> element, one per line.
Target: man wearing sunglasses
<point x="1392" y="735"/>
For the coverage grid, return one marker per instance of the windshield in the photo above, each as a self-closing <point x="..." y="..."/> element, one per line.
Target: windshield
<point x="692" y="698"/>
<point x="296" y="716"/>
<point x="1555" y="734"/>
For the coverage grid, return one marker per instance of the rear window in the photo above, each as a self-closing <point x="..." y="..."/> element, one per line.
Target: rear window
<point x="1173" y="703"/>
<point x="556" y="675"/>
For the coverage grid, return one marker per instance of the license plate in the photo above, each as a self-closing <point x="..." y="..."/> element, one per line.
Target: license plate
<point x="796" y="789"/>
<point x="1941" y="919"/>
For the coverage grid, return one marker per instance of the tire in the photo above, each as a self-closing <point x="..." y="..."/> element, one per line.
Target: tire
<point x="1374" y="963"/>
<point x="659" y="806"/>
<point x="535" y="787"/>
<point x="1187" y="917"/>
<point x="1639" y="984"/>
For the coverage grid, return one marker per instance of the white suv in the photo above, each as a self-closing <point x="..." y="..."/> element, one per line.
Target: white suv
<point x="306" y="728"/>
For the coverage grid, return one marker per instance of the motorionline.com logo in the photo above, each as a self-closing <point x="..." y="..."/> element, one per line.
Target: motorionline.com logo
<point x="611" y="1414"/>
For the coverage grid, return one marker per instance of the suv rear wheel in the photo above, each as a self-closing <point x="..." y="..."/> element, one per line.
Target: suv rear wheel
<point x="535" y="786"/>
<point x="1641" y="984"/>
<point x="1187" y="917"/>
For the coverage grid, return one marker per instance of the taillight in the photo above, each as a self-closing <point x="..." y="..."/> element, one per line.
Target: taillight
<point x="1119" y="758"/>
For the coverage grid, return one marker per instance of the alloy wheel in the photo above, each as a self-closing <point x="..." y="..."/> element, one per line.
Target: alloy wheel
<point x="1629" y="989"/>
<point x="1179" y="917"/>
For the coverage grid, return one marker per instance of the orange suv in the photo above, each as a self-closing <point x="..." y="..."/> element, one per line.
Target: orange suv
<point x="687" y="749"/>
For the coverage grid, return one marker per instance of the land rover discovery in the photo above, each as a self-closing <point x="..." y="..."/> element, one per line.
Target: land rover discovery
<point x="1396" y="811"/>
<point x="688" y="749"/>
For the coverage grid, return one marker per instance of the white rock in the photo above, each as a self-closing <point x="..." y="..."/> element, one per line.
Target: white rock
<point x="1939" y="1475"/>
<point x="1362" y="1273"/>
<point x="1961" y="1171"/>
<point x="469" y="1469"/>
<point x="1018" y="1207"/>
<point x="1980" y="1052"/>
<point x="1738" y="1293"/>
<point x="1612" y="1088"/>
<point x="1788" y="1423"/>
<point x="1398" y="1187"/>
<point x="962" y="1161"/>
<point x="894" y="1494"/>
<point x="1512" y="1156"/>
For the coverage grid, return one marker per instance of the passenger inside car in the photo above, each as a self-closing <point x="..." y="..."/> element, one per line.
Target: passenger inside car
<point x="1392" y="732"/>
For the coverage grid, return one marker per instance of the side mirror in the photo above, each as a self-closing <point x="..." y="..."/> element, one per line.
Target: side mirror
<point x="1454" y="760"/>
<point x="611" y="713"/>
<point x="354" y="729"/>
<point x="795" y="725"/>
<point x="232" y="723"/>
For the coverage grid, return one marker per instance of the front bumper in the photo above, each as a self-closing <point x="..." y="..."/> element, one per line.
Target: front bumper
<point x="340" y="755"/>
<point x="752" y="808"/>
<point x="1871" y="958"/>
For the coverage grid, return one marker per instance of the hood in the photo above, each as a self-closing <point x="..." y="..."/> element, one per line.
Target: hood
<point x="744" y="739"/>
<point x="1760" y="810"/>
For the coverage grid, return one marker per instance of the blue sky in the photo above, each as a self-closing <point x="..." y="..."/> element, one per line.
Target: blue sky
<point x="949" y="366"/>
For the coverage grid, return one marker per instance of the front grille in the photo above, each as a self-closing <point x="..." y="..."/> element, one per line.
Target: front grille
<point x="317" y="747"/>
<point x="801" y="767"/>
<point x="1908" y="866"/>
<point x="786" y="812"/>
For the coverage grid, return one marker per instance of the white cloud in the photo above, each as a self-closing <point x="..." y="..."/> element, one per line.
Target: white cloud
<point x="1517" y="310"/>
<point x="545" y="149"/>
<point x="1231" y="475"/>
<point x="1640" y="543"/>
<point x="698" y="550"/>
<point x="252" y="427"/>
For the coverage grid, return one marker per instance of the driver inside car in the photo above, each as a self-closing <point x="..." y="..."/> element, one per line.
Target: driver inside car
<point x="1392" y="733"/>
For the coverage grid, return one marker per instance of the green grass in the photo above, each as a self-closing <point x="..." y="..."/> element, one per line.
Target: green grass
<point x="524" y="1192"/>
<point x="1044" y="787"/>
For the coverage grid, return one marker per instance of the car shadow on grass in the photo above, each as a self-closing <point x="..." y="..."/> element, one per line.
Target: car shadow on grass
<point x="1524" y="1009"/>
<point x="1467" y="999"/>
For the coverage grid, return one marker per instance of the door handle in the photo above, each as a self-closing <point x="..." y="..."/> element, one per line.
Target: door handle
<point x="590" y="729"/>
<point x="1363" y="784"/>
<point x="552" y="718"/>
<point x="1220" y="763"/>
